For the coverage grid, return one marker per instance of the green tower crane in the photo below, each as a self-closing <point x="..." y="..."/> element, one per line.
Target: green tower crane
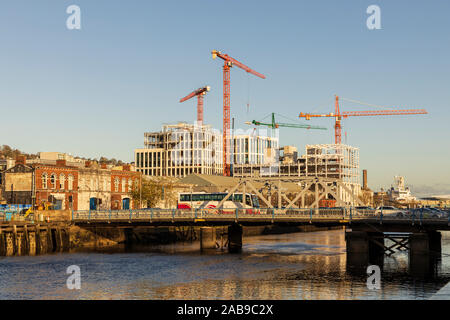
<point x="276" y="125"/>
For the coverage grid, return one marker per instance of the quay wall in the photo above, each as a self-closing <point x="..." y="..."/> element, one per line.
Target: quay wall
<point x="53" y="231"/>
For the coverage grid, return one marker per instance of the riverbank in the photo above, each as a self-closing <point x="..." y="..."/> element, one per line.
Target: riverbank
<point x="98" y="237"/>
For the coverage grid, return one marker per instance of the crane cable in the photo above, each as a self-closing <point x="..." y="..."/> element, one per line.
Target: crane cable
<point x="295" y="121"/>
<point x="364" y="103"/>
<point x="248" y="92"/>
<point x="324" y="106"/>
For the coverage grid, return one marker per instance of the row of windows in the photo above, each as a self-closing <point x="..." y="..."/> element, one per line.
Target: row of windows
<point x="213" y="197"/>
<point x="94" y="184"/>
<point x="124" y="185"/>
<point x="62" y="179"/>
<point x="53" y="181"/>
<point x="148" y="159"/>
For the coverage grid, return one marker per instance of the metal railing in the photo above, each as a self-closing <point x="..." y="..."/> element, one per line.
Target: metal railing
<point x="347" y="214"/>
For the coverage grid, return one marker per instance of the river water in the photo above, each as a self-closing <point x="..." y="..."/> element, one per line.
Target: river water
<point x="288" y="266"/>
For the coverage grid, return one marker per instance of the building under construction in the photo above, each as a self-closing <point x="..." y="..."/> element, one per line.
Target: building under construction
<point x="335" y="161"/>
<point x="183" y="149"/>
<point x="180" y="150"/>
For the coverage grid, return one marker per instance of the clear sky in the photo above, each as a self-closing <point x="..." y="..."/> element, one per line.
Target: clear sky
<point x="95" y="91"/>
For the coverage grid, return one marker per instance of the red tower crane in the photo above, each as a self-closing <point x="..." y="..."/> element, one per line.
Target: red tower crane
<point x="228" y="63"/>
<point x="345" y="114"/>
<point x="199" y="93"/>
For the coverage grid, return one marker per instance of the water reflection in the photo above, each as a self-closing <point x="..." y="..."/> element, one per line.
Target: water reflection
<point x="290" y="266"/>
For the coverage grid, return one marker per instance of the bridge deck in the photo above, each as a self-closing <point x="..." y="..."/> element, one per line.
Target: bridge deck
<point x="330" y="217"/>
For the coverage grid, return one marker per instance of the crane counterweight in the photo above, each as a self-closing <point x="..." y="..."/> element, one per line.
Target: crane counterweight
<point x="199" y="93"/>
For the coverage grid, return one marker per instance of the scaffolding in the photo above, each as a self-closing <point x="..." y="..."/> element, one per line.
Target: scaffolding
<point x="336" y="161"/>
<point x="179" y="150"/>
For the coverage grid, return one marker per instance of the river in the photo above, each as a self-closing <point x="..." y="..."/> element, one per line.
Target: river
<point x="288" y="266"/>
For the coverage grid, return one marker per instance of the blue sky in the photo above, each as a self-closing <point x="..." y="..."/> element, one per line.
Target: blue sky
<point x="95" y="91"/>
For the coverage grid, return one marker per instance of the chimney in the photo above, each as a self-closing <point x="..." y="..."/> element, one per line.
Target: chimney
<point x="21" y="159"/>
<point x="365" y="179"/>
<point x="87" y="164"/>
<point x="61" y="163"/>
<point x="103" y="165"/>
<point x="126" y="167"/>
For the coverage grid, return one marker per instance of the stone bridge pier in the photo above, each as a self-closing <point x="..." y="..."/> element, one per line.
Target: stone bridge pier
<point x="208" y="238"/>
<point x="235" y="238"/>
<point x="363" y="248"/>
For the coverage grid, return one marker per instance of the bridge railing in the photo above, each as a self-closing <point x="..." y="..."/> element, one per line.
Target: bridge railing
<point x="255" y="214"/>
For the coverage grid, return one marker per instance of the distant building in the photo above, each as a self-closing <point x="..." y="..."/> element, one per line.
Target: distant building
<point x="41" y="183"/>
<point x="289" y="155"/>
<point x="4" y="165"/>
<point x="441" y="201"/>
<point x="52" y="157"/>
<point x="67" y="187"/>
<point x="180" y="150"/>
<point x="58" y="156"/>
<point x="399" y="192"/>
<point x="323" y="160"/>
<point x="254" y="149"/>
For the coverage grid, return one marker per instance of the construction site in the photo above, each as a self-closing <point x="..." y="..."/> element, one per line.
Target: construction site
<point x="324" y="175"/>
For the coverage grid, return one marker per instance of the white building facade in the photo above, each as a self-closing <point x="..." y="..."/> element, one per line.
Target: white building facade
<point x="180" y="150"/>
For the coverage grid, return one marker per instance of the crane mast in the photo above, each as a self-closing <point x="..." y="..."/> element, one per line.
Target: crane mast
<point x="200" y="93"/>
<point x="228" y="63"/>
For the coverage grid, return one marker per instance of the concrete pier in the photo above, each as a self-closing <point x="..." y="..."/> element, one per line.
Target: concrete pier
<point x="235" y="238"/>
<point x="357" y="249"/>
<point x="424" y="252"/>
<point x="207" y="238"/>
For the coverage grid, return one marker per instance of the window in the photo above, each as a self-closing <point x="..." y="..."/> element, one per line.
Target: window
<point x="219" y="197"/>
<point x="237" y="197"/>
<point x="255" y="201"/>
<point x="70" y="182"/>
<point x="53" y="180"/>
<point x="124" y="182"/>
<point x="44" y="181"/>
<point x="116" y="184"/>
<point x="185" y="197"/>
<point x="105" y="185"/>
<point x="130" y="185"/>
<point x="62" y="181"/>
<point x="247" y="200"/>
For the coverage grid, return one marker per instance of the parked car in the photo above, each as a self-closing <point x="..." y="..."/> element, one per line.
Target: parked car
<point x="429" y="213"/>
<point x="391" y="211"/>
<point x="364" y="210"/>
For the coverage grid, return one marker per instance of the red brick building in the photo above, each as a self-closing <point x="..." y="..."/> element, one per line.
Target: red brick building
<point x="122" y="182"/>
<point x="86" y="186"/>
<point x="56" y="184"/>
